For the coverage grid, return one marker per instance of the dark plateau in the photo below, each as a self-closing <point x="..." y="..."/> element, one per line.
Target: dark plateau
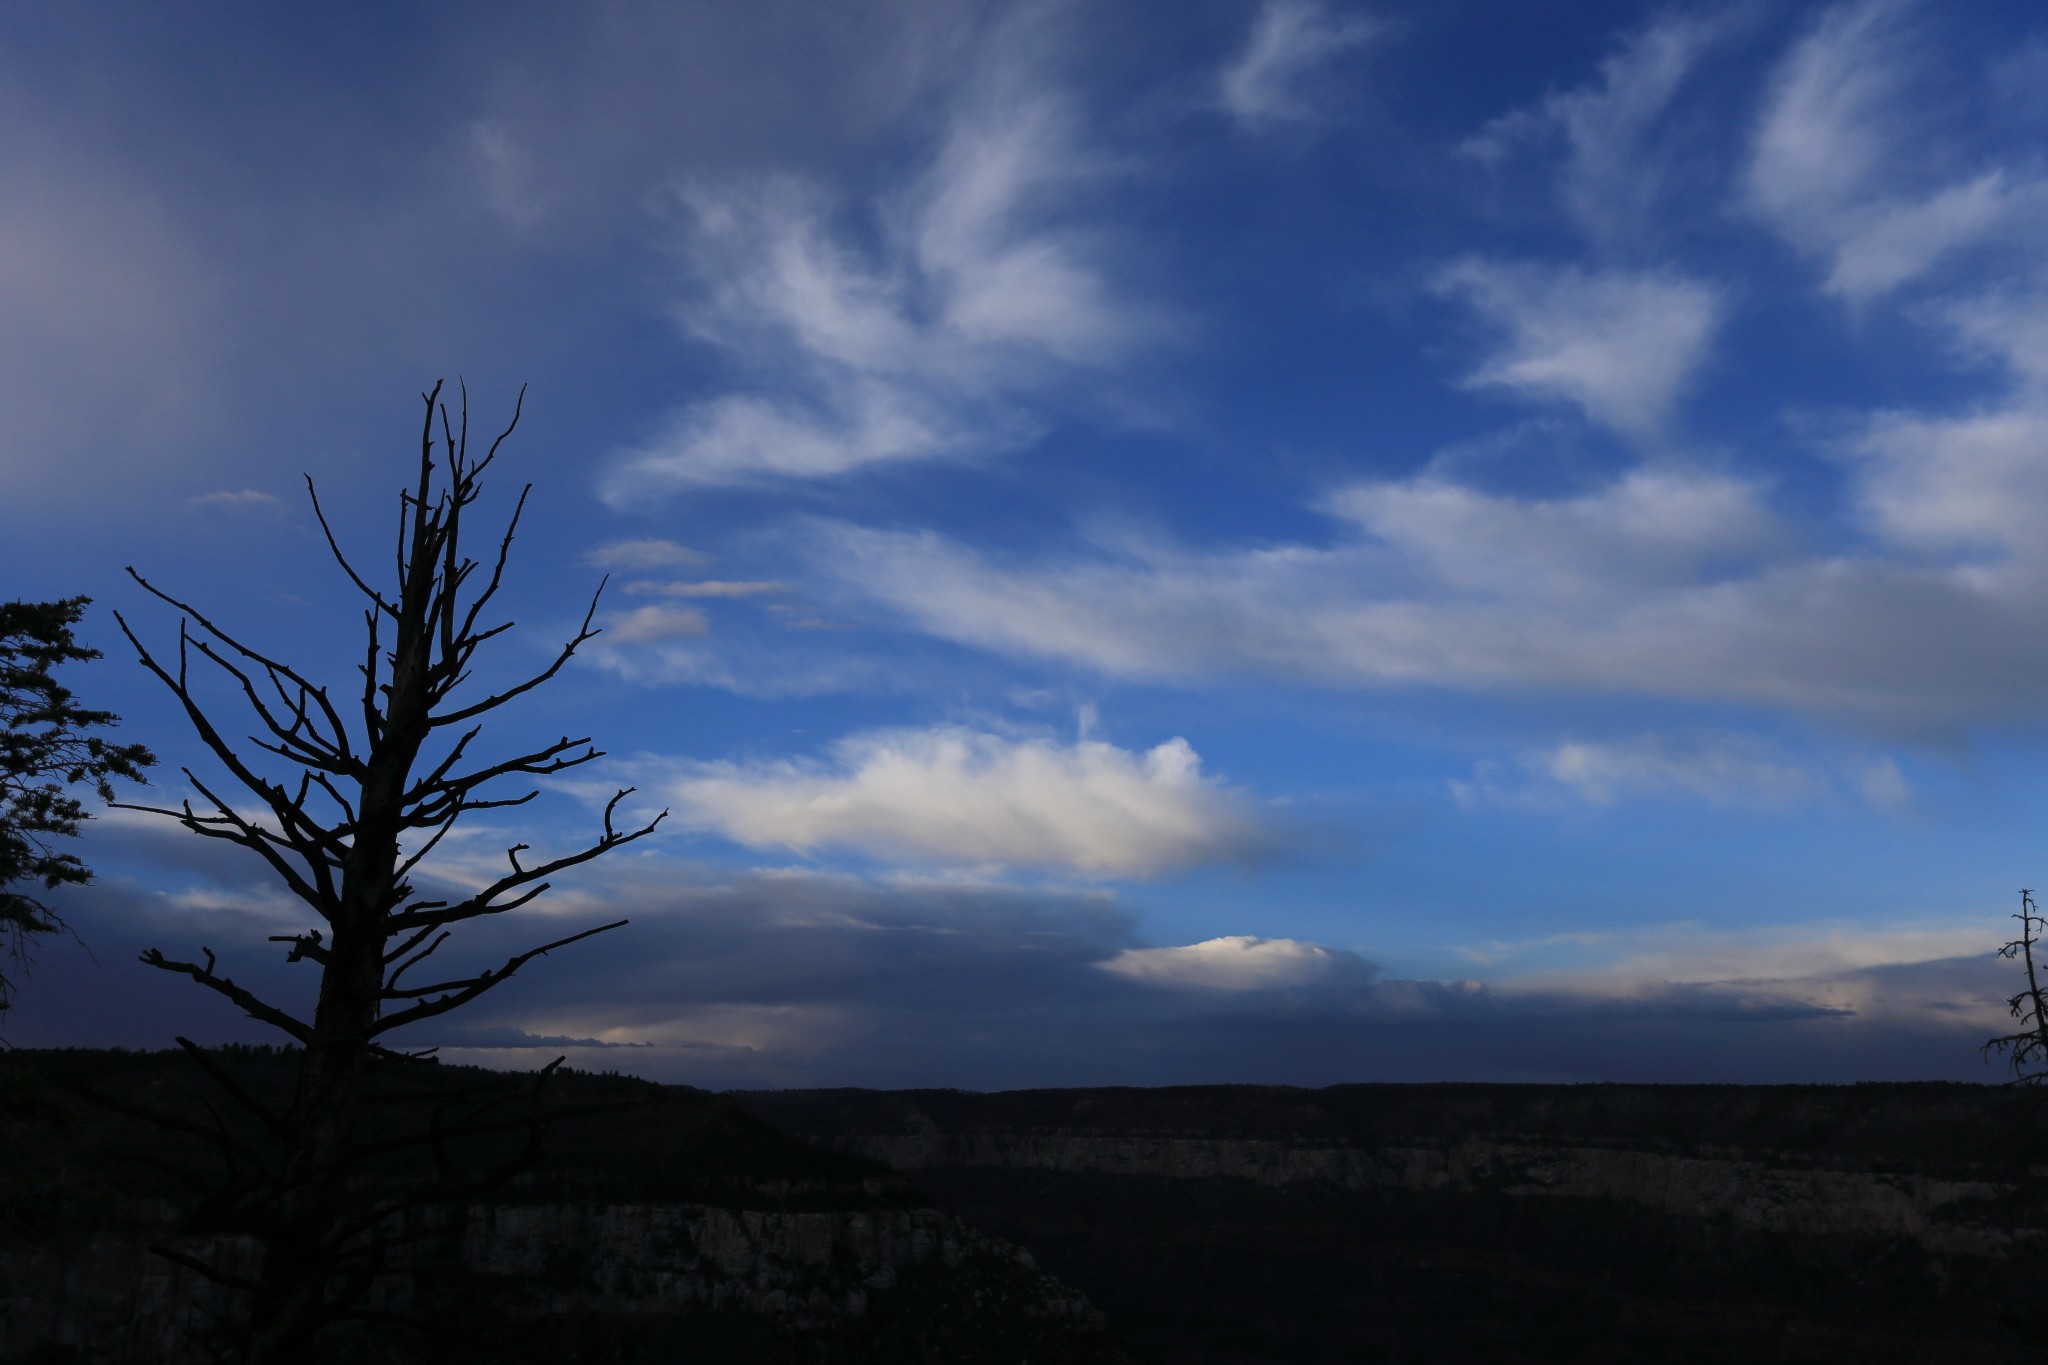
<point x="1204" y="1224"/>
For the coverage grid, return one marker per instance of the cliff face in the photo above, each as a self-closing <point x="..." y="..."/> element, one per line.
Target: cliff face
<point x="1243" y="1224"/>
<point x="663" y="1224"/>
<point x="622" y="1272"/>
<point x="1945" y="1217"/>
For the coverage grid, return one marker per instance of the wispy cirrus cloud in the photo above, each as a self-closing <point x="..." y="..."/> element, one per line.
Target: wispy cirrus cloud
<point x="929" y="324"/>
<point x="1613" y="178"/>
<point x="644" y="555"/>
<point x="1837" y="167"/>
<point x="236" y="500"/>
<point x="715" y="587"/>
<point x="1272" y="79"/>
<point x="1621" y="346"/>
<point x="1730" y="771"/>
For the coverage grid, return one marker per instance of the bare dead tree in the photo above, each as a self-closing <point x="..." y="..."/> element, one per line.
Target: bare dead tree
<point x="375" y="783"/>
<point x="2026" y="1050"/>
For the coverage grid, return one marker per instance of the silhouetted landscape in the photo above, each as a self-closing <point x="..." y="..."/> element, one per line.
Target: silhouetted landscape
<point x="1237" y="1224"/>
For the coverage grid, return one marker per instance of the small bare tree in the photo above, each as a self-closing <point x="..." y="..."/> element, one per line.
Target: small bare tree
<point x="2026" y="1051"/>
<point x="368" y="797"/>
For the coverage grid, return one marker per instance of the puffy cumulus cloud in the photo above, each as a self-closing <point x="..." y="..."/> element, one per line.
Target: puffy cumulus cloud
<point x="1619" y="345"/>
<point x="964" y="797"/>
<point x="655" y="622"/>
<point x="1269" y="81"/>
<point x="971" y="289"/>
<point x="1612" y="178"/>
<point x="1242" y="962"/>
<point x="1834" y="166"/>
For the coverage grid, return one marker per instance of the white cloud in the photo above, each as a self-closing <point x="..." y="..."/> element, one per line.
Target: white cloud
<point x="1733" y="771"/>
<point x="970" y="294"/>
<point x="1724" y="772"/>
<point x="963" y="797"/>
<point x="1290" y="40"/>
<point x="654" y="623"/>
<point x="2007" y="326"/>
<point x="1611" y="180"/>
<point x="236" y="500"/>
<point x="641" y="556"/>
<point x="1620" y="345"/>
<point x="507" y="174"/>
<point x="1833" y="167"/>
<point x="1241" y="962"/>
<point x="1650" y="526"/>
<point x="1552" y="596"/>
<point x="1646" y="957"/>
<point x="1971" y="484"/>
<point x="709" y="588"/>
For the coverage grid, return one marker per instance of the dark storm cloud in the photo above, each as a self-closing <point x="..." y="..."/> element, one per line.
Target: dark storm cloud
<point x="783" y="978"/>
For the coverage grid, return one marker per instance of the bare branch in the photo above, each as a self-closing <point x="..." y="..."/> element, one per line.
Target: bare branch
<point x="464" y="991"/>
<point x="390" y="990"/>
<point x="342" y="559"/>
<point x="251" y="1005"/>
<point x="263" y="660"/>
<point x="584" y="634"/>
<point x="417" y="916"/>
<point x="305" y="947"/>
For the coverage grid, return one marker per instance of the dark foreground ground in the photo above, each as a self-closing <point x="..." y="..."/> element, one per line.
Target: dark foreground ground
<point x="1419" y="1223"/>
<point x="1397" y="1223"/>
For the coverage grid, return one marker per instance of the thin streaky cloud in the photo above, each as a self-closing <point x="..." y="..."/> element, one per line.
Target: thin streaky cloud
<point x="1613" y="178"/>
<point x="716" y="587"/>
<point x="1728" y="771"/>
<point x="654" y="623"/>
<point x="644" y="555"/>
<point x="236" y="500"/>
<point x="1908" y="646"/>
<point x="1621" y="346"/>
<point x="1272" y="80"/>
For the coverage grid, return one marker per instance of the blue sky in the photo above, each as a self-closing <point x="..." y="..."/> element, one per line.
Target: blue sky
<point x="1225" y="541"/>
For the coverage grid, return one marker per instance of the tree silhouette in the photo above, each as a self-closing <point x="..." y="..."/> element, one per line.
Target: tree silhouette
<point x="375" y="783"/>
<point x="45" y="753"/>
<point x="2026" y="1049"/>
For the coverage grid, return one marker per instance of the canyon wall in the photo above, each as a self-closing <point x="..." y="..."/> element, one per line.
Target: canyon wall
<point x="1242" y="1225"/>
